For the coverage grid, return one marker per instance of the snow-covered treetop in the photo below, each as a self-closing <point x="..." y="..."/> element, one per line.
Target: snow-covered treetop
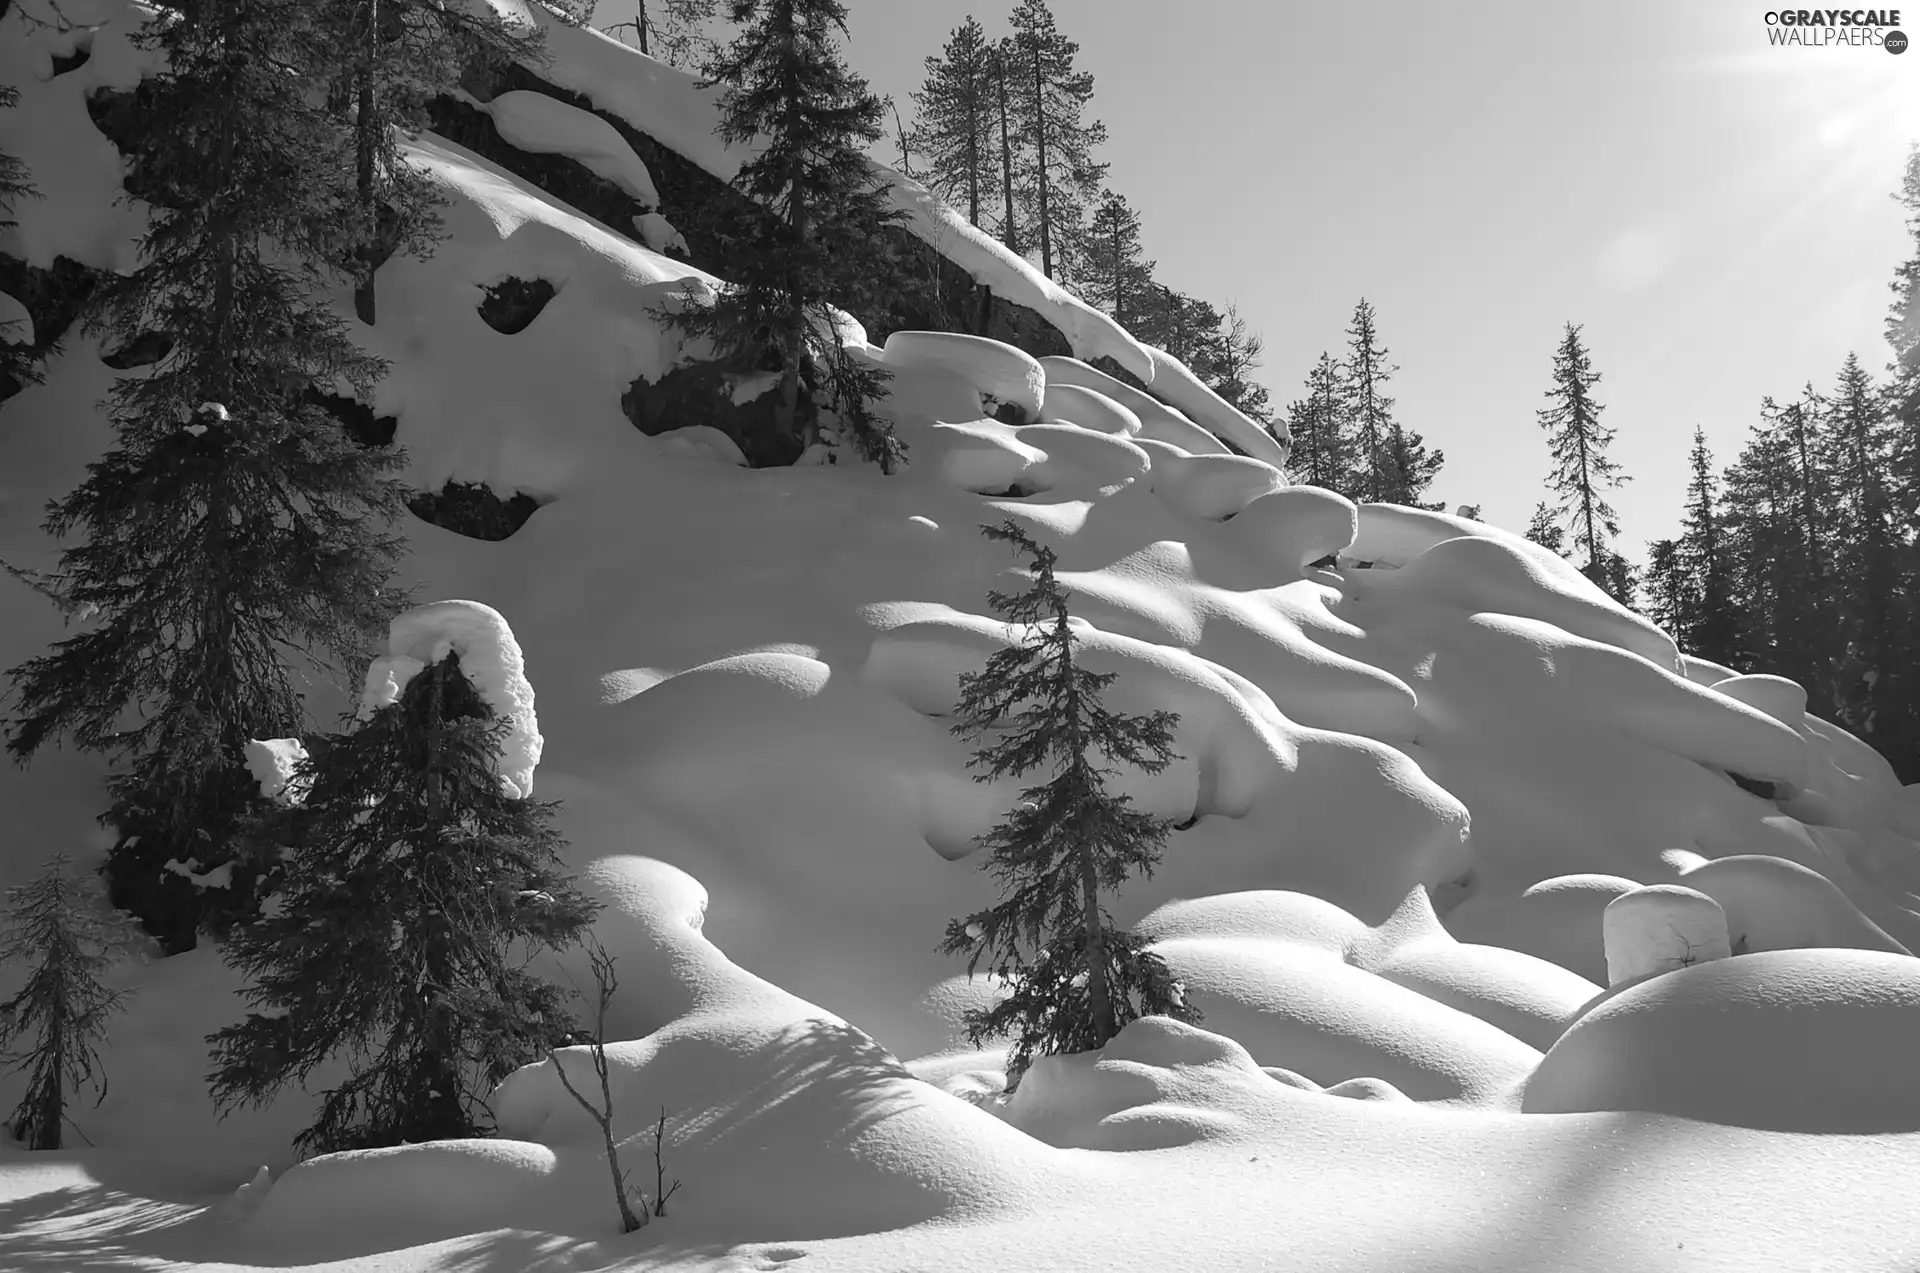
<point x="489" y="657"/>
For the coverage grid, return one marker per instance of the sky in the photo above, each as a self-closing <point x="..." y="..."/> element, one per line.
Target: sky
<point x="1714" y="210"/>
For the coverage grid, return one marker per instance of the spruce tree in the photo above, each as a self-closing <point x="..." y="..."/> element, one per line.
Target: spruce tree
<point x="1074" y="978"/>
<point x="1241" y="352"/>
<point x="1112" y="275"/>
<point x="1873" y="676"/>
<point x="1545" y="529"/>
<point x="1673" y="599"/>
<point x="822" y="241"/>
<point x="1004" y="64"/>
<point x="1765" y="545"/>
<point x="413" y="894"/>
<point x="233" y="525"/>
<point x="1903" y="333"/>
<point x="1183" y="326"/>
<point x="388" y="58"/>
<point x="955" y="113"/>
<point x="1714" y="629"/>
<point x="1323" y="444"/>
<point x="1054" y="168"/>
<point x="62" y="1010"/>
<point x="1394" y="464"/>
<point x="1582" y="472"/>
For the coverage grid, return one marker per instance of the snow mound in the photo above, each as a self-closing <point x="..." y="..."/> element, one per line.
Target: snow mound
<point x="1210" y="487"/>
<point x="1773" y="904"/>
<point x="1088" y="408"/>
<point x="1157" y="1084"/>
<point x="543" y="125"/>
<point x="1659" y="928"/>
<point x="1173" y="381"/>
<point x="489" y="657"/>
<point x="1801" y="1041"/>
<point x="1158" y="421"/>
<point x="1009" y="374"/>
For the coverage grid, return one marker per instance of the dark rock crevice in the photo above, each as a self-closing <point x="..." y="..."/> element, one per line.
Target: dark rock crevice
<point x="473" y="510"/>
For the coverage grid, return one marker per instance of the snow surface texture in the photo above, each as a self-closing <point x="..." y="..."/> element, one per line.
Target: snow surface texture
<point x="489" y="658"/>
<point x="1410" y="791"/>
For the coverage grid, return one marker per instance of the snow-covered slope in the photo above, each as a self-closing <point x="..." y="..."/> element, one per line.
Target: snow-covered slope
<point x="1409" y="792"/>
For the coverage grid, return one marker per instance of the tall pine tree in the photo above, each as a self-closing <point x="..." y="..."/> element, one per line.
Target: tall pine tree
<point x="407" y="908"/>
<point x="233" y="524"/>
<point x="389" y="57"/>
<point x="956" y="119"/>
<point x="1395" y="466"/>
<point x="1673" y="599"/>
<point x="822" y="243"/>
<point x="1582" y="472"/>
<point x="1112" y="275"/>
<point x="1714" y="627"/>
<point x="1054" y="169"/>
<point x="1074" y="978"/>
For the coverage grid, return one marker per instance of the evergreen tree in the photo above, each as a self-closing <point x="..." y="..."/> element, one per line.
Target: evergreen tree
<point x="1582" y="473"/>
<point x="1545" y="529"/>
<point x="954" y="121"/>
<point x="1673" y="600"/>
<point x="1874" y="676"/>
<point x="1053" y="151"/>
<point x="823" y="242"/>
<point x="1903" y="333"/>
<point x="1240" y="354"/>
<point x="64" y="1006"/>
<point x="1184" y="327"/>
<point x="414" y="892"/>
<point x="1323" y="445"/>
<point x="233" y="522"/>
<point x="1765" y="545"/>
<point x="1075" y="979"/>
<point x="1004" y="64"/>
<point x="1394" y="464"/>
<point x="17" y="367"/>
<point x="673" y="31"/>
<point x="1713" y="629"/>
<point x="389" y="58"/>
<point x="1112" y="275"/>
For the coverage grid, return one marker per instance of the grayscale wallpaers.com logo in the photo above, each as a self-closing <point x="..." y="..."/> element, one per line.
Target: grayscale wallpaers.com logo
<point x="1824" y="28"/>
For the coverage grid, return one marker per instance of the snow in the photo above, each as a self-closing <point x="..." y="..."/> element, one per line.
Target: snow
<point x="1656" y="929"/>
<point x="490" y="659"/>
<point x="1409" y="795"/>
<point x="272" y="761"/>
<point x="1800" y="1040"/>
<point x="543" y="125"/>
<point x="16" y="324"/>
<point x="1173" y="381"/>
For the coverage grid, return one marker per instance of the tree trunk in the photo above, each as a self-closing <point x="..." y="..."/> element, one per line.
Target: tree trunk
<point x="1040" y="164"/>
<point x="640" y="23"/>
<point x="1008" y="233"/>
<point x="364" y="126"/>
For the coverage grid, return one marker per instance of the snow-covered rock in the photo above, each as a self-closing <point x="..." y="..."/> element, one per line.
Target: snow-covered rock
<point x="1659" y="928"/>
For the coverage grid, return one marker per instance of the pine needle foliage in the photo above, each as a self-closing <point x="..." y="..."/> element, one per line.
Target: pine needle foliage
<point x="1074" y="978"/>
<point x="1582" y="472"/>
<point x="410" y="903"/>
<point x="823" y="243"/>
<point x="233" y="531"/>
<point x="62" y="1010"/>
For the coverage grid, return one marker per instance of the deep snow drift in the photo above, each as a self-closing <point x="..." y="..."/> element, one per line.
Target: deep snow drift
<point x="1429" y="799"/>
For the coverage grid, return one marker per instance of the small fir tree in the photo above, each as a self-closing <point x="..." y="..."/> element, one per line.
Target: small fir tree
<point x="1546" y="531"/>
<point x="1713" y="630"/>
<point x="62" y="1011"/>
<point x="1074" y="978"/>
<point x="1582" y="472"/>
<point x="415" y="894"/>
<point x="822" y="242"/>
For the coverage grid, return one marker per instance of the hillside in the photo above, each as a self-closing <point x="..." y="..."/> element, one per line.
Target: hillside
<point x="1419" y="758"/>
